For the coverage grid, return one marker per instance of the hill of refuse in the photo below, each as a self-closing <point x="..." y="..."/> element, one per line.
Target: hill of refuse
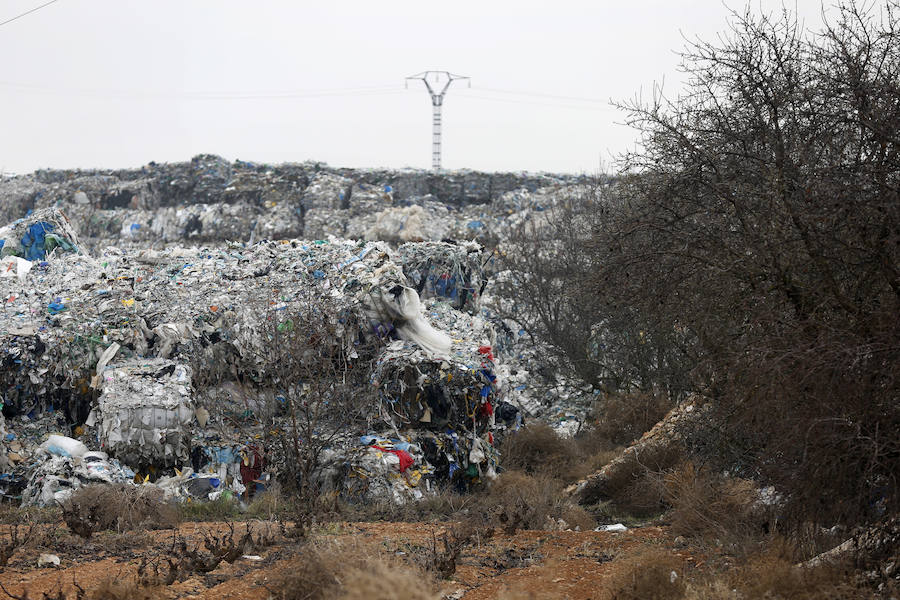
<point x="115" y="282"/>
<point x="97" y="354"/>
<point x="210" y="200"/>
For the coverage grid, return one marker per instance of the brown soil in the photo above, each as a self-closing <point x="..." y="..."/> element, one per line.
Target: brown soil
<point x="538" y="564"/>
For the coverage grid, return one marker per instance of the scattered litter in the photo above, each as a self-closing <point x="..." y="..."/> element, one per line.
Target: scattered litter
<point x="48" y="560"/>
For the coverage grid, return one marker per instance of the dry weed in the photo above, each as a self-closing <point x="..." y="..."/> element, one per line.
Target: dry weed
<point x="120" y="507"/>
<point x="119" y="589"/>
<point x="521" y="501"/>
<point x="710" y="504"/>
<point x="622" y="418"/>
<point x="377" y="580"/>
<point x="349" y="571"/>
<point x="650" y="574"/>
<point x="773" y="575"/>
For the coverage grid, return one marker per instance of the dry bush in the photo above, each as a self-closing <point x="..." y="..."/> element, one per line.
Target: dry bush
<point x="121" y="507"/>
<point x="710" y="504"/>
<point x="758" y="221"/>
<point x="521" y="501"/>
<point x="773" y="574"/>
<point x="116" y="588"/>
<point x="17" y="538"/>
<point x="445" y="504"/>
<point x="622" y="418"/>
<point x="349" y="572"/>
<point x="651" y="574"/>
<point x="537" y="449"/>
<point x="377" y="580"/>
<point x="309" y="576"/>
<point x="631" y="483"/>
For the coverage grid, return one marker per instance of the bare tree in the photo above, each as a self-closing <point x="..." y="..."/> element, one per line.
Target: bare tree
<point x="306" y="369"/>
<point x="760" y="219"/>
<point x="550" y="260"/>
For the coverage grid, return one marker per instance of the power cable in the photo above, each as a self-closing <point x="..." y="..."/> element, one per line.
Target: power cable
<point x="465" y="94"/>
<point x="542" y="95"/>
<point x="283" y="94"/>
<point x="28" y="12"/>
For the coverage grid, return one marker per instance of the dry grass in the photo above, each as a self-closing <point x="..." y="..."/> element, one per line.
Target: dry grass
<point x="622" y="418"/>
<point x="710" y="504"/>
<point x="537" y="449"/>
<point x="378" y="580"/>
<point x="116" y="588"/>
<point x="350" y="571"/>
<point x="651" y="574"/>
<point x="118" y="507"/>
<point x="521" y="501"/>
<point x="773" y="575"/>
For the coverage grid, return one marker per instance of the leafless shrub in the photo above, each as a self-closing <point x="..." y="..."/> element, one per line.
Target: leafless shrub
<point x="521" y="501"/>
<point x="621" y="418"/>
<point x="8" y="548"/>
<point x="773" y="574"/>
<point x="650" y="574"/>
<point x="124" y="589"/>
<point x="757" y="223"/>
<point x="120" y="507"/>
<point x="348" y="572"/>
<point x="445" y="549"/>
<point x="712" y="505"/>
<point x="309" y="372"/>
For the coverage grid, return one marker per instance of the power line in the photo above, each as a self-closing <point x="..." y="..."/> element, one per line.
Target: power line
<point x="541" y="95"/>
<point x="28" y="12"/>
<point x="537" y="103"/>
<point x="210" y="95"/>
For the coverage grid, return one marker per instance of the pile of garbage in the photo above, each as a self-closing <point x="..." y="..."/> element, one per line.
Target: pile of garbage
<point x="210" y="200"/>
<point x="106" y="342"/>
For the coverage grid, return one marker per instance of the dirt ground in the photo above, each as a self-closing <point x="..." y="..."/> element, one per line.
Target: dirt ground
<point x="539" y="564"/>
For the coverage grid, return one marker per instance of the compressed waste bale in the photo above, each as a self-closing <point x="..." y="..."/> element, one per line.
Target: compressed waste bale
<point x="144" y="411"/>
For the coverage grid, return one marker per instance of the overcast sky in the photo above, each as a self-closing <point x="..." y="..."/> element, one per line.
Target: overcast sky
<point x="119" y="83"/>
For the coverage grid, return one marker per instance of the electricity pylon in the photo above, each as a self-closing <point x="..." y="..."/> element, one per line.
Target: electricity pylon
<point x="437" y="101"/>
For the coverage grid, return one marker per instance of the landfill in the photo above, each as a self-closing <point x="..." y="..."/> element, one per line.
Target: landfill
<point x="114" y="281"/>
<point x="211" y="200"/>
<point x="105" y="341"/>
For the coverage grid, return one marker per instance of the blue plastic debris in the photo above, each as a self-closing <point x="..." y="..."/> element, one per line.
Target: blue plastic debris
<point x="34" y="239"/>
<point x="56" y="307"/>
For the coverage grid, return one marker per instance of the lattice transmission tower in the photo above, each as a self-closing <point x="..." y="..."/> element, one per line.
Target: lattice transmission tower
<point x="441" y="79"/>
